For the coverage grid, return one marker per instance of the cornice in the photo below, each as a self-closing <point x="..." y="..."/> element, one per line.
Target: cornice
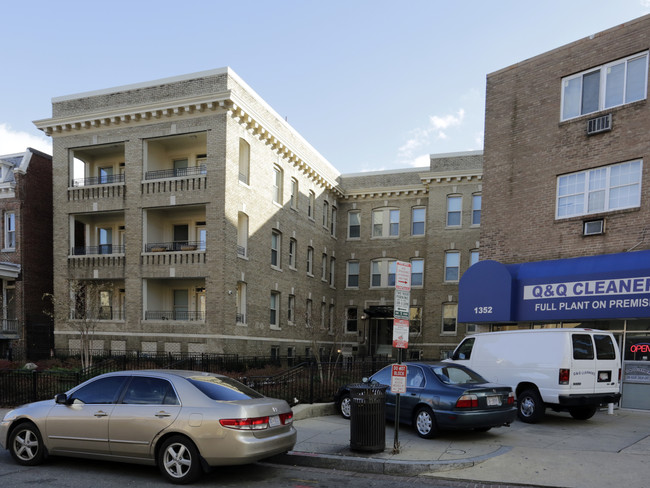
<point x="383" y="192"/>
<point x="451" y="176"/>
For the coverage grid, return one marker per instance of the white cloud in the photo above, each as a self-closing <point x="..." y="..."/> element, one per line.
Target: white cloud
<point x="12" y="142"/>
<point x="423" y="161"/>
<point x="421" y="138"/>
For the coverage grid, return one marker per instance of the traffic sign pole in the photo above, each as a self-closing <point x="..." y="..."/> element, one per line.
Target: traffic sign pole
<point x="401" y="315"/>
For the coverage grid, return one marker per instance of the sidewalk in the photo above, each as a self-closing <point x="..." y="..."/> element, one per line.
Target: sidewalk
<point x="605" y="451"/>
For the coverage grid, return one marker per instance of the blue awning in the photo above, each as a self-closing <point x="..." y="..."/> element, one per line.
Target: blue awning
<point x="610" y="286"/>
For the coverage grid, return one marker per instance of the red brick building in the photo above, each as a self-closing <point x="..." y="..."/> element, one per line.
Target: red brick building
<point x="25" y="253"/>
<point x="566" y="201"/>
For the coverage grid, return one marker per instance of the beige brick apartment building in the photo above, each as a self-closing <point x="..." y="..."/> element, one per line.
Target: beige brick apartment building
<point x="189" y="217"/>
<point x="566" y="204"/>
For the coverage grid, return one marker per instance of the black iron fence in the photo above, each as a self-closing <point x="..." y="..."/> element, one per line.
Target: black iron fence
<point x="307" y="381"/>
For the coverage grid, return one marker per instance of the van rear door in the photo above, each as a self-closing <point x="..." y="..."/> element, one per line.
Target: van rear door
<point x="583" y="367"/>
<point x="607" y="364"/>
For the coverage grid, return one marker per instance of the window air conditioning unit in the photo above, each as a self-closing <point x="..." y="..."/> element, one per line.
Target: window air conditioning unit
<point x="599" y="124"/>
<point x="594" y="227"/>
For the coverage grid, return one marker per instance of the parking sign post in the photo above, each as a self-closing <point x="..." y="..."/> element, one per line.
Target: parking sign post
<point x="401" y="315"/>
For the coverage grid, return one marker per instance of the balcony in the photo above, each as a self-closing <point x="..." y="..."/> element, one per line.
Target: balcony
<point x="176" y="172"/>
<point x="181" y="300"/>
<point x="180" y="315"/>
<point x="182" y="246"/>
<point x="9" y="328"/>
<point x="97" y="250"/>
<point x="97" y="173"/>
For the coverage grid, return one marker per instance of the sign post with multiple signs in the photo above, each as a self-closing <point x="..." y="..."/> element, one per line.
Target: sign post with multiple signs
<point x="401" y="315"/>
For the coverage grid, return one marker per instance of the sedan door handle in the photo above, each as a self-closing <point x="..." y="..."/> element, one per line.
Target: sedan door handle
<point x="101" y="413"/>
<point x="162" y="414"/>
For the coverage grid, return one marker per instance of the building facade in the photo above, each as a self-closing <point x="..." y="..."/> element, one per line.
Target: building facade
<point x="190" y="217"/>
<point x="26" y="254"/>
<point x="566" y="203"/>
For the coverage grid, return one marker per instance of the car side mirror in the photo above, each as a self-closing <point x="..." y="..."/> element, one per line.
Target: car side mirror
<point x="61" y="399"/>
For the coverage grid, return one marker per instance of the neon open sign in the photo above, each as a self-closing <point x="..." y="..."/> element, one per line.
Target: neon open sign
<point x="640" y="348"/>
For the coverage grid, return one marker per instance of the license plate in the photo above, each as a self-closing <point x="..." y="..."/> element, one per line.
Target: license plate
<point x="494" y="401"/>
<point x="274" y="421"/>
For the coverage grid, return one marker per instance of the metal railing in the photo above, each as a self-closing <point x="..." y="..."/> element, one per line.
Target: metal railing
<point x="98" y="180"/>
<point x="176" y="246"/>
<point x="176" y="172"/>
<point x="182" y="315"/>
<point x="101" y="249"/>
<point x="104" y="313"/>
<point x="9" y="325"/>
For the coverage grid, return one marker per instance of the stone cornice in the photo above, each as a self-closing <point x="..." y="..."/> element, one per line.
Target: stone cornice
<point x="451" y="176"/>
<point x="384" y="192"/>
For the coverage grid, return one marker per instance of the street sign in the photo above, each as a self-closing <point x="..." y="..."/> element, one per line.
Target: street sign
<point x="402" y="304"/>
<point x="403" y="276"/>
<point x="398" y="378"/>
<point x="401" y="333"/>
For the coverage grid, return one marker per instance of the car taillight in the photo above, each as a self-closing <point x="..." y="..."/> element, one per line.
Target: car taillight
<point x="286" y="418"/>
<point x="258" y="423"/>
<point x="564" y="376"/>
<point x="467" y="401"/>
<point x="511" y="398"/>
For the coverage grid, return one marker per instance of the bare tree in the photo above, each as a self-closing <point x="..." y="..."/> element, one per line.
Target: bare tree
<point x="327" y="345"/>
<point x="88" y="302"/>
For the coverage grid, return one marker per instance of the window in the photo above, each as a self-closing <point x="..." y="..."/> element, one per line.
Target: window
<point x="310" y="261"/>
<point x="473" y="257"/>
<point x="242" y="234"/>
<point x="354" y="225"/>
<point x="333" y="222"/>
<point x="293" y="249"/>
<point x="10" y="230"/>
<point x="385" y="223"/>
<point x="308" y="310"/>
<point x="415" y="320"/>
<point x="150" y="391"/>
<point x="382" y="273"/>
<point x="353" y="274"/>
<point x="277" y="185"/>
<point x="454" y="207"/>
<point x="610" y="85"/>
<point x="323" y="314"/>
<point x="276" y="245"/>
<point x="326" y="211"/>
<point x="312" y="202"/>
<point x="101" y="391"/>
<point x="599" y="190"/>
<point x="351" y="320"/>
<point x="331" y="315"/>
<point x="452" y="266"/>
<point x="323" y="275"/>
<point x="449" y="315"/>
<point x="291" y="309"/>
<point x="418" y="215"/>
<point x="244" y="161"/>
<point x="583" y="348"/>
<point x="332" y="269"/>
<point x="476" y="209"/>
<point x="294" y="194"/>
<point x="274" y="309"/>
<point x="241" y="303"/>
<point x="417" y="272"/>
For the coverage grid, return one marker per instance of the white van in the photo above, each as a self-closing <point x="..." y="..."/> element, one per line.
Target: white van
<point x="574" y="370"/>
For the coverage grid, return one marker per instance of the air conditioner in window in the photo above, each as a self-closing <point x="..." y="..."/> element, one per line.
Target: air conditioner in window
<point x="599" y="124"/>
<point x="594" y="227"/>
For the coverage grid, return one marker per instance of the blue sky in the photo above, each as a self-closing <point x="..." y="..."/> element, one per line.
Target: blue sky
<point x="371" y="84"/>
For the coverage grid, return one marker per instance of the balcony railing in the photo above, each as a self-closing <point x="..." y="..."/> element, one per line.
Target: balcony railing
<point x="176" y="246"/>
<point x="9" y="325"/>
<point x="98" y="180"/>
<point x="104" y="313"/>
<point x="176" y="172"/>
<point x="101" y="249"/>
<point x="182" y="315"/>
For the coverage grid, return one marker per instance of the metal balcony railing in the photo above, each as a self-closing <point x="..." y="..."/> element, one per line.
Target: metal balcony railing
<point x="98" y="180"/>
<point x="176" y="246"/>
<point x="176" y="172"/>
<point x="101" y="249"/>
<point x="9" y="325"/>
<point x="183" y="315"/>
<point x="104" y="313"/>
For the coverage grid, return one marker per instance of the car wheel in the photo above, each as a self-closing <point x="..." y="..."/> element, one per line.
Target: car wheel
<point x="345" y="406"/>
<point x="582" y="413"/>
<point x="26" y="445"/>
<point x="178" y="460"/>
<point x="425" y="423"/>
<point x="530" y="406"/>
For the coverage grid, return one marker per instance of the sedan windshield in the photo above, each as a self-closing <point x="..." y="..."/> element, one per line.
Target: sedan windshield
<point x="223" y="388"/>
<point x="454" y="375"/>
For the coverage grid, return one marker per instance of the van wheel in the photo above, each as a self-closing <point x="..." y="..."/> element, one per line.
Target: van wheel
<point x="582" y="413"/>
<point x="530" y="407"/>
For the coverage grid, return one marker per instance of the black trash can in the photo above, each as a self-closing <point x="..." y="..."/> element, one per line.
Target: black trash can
<point x="368" y="417"/>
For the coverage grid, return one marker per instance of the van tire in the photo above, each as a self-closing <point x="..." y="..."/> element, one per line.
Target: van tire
<point x="582" y="413"/>
<point x="530" y="407"/>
